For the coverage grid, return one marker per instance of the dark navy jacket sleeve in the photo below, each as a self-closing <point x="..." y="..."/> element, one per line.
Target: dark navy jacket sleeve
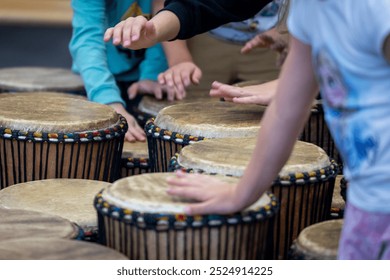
<point x="199" y="16"/>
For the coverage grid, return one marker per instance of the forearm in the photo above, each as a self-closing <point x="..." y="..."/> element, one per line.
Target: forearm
<point x="281" y="124"/>
<point x="176" y="52"/>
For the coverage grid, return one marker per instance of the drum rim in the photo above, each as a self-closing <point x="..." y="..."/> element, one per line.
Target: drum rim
<point x="114" y="131"/>
<point x="155" y="131"/>
<point x="179" y="221"/>
<point x="299" y="178"/>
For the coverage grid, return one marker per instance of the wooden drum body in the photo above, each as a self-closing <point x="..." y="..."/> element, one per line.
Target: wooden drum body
<point x="46" y="136"/>
<point x="180" y="125"/>
<point x="318" y="242"/>
<point x="35" y="79"/>
<point x="138" y="218"/>
<point x="304" y="186"/>
<point x="135" y="159"/>
<point x="71" y="199"/>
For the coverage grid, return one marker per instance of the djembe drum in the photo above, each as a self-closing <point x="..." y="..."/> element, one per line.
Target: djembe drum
<point x="18" y="223"/>
<point x="135" y="159"/>
<point x="304" y="186"/>
<point x="55" y="249"/>
<point x="35" y="79"/>
<point x="47" y="136"/>
<point x="138" y="218"/>
<point x="180" y="125"/>
<point x="318" y="242"/>
<point x="149" y="106"/>
<point x="71" y="199"/>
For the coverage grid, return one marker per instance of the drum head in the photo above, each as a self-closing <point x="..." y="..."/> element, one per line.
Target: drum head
<point x="152" y="106"/>
<point x="321" y="240"/>
<point x="17" y="223"/>
<point x="212" y="120"/>
<point x="51" y="113"/>
<point x="39" y="79"/>
<point x="55" y="249"/>
<point x="71" y="199"/>
<point x="230" y="156"/>
<point x="146" y="193"/>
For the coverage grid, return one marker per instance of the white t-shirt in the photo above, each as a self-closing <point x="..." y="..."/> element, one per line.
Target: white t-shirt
<point x="347" y="37"/>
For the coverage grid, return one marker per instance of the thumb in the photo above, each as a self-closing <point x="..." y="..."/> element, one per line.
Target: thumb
<point x="196" y="76"/>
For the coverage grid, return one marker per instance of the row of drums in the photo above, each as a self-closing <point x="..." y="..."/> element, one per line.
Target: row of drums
<point x="63" y="156"/>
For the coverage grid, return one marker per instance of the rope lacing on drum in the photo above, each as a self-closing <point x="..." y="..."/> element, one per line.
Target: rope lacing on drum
<point x="299" y="178"/>
<point x="113" y="131"/>
<point x="156" y="132"/>
<point x="162" y="222"/>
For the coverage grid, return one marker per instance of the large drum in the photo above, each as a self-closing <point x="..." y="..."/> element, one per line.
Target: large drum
<point x="138" y="218"/>
<point x="32" y="79"/>
<point x="149" y="106"/>
<point x="318" y="242"/>
<point x="135" y="159"/>
<point x="180" y="125"/>
<point x="18" y="223"/>
<point x="47" y="136"/>
<point x="304" y="186"/>
<point x="71" y="199"/>
<point x="55" y="249"/>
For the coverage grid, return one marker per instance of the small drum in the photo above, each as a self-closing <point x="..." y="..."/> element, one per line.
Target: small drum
<point x="338" y="202"/>
<point x="55" y="249"/>
<point x="318" y="242"/>
<point x="18" y="223"/>
<point x="149" y="106"/>
<point x="47" y="136"/>
<point x="180" y="125"/>
<point x="20" y="79"/>
<point x="304" y="185"/>
<point x="138" y="218"/>
<point x="71" y="199"/>
<point x="135" y="159"/>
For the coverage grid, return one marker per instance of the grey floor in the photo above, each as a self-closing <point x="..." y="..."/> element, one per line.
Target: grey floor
<point x="34" y="46"/>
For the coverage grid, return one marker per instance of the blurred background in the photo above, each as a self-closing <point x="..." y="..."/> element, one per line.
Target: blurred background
<point x="35" y="33"/>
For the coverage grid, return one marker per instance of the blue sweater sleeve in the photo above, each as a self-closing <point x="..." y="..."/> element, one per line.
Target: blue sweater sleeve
<point x="88" y="51"/>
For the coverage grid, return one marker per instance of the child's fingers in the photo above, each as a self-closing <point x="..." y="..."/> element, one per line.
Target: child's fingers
<point x="108" y="34"/>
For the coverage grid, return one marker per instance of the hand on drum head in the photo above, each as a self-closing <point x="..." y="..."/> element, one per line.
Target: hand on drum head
<point x="178" y="77"/>
<point x="214" y="195"/>
<point x="134" y="132"/>
<point x="133" y="33"/>
<point x="261" y="94"/>
<point x="270" y="39"/>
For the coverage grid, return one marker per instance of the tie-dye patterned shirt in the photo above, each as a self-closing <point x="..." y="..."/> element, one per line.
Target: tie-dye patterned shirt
<point x="347" y="40"/>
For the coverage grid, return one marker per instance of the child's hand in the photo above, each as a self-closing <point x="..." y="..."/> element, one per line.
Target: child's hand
<point x="270" y="39"/>
<point x="178" y="77"/>
<point x="134" y="132"/>
<point x="214" y="195"/>
<point x="152" y="87"/>
<point x="133" y="33"/>
<point x="261" y="94"/>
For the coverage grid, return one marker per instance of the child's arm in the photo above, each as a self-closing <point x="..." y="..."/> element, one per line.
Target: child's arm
<point x="182" y="71"/>
<point x="280" y="127"/>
